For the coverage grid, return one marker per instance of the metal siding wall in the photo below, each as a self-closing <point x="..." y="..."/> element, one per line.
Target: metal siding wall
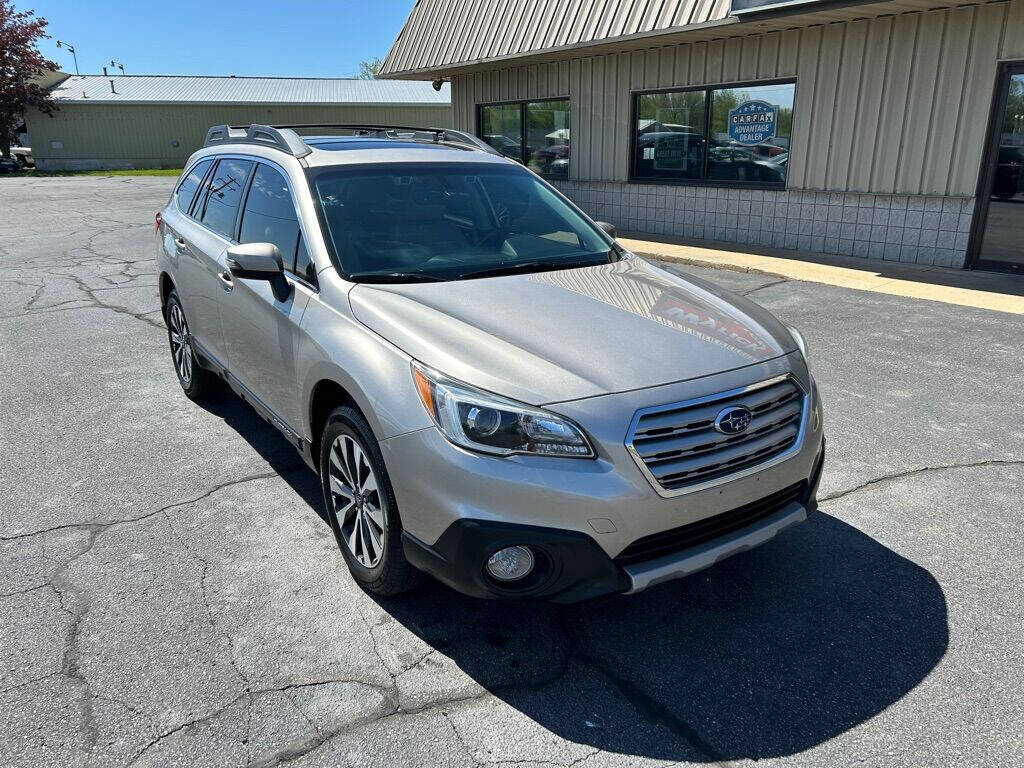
<point x="895" y="104"/>
<point x="142" y="135"/>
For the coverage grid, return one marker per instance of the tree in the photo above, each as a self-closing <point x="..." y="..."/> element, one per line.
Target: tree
<point x="20" y="61"/>
<point x="368" y="70"/>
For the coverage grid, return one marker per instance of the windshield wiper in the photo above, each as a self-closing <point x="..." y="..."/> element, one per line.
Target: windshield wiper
<point x="530" y="266"/>
<point x="393" y="277"/>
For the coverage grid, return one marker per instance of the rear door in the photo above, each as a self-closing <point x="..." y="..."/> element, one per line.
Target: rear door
<point x="202" y="244"/>
<point x="181" y="235"/>
<point x="262" y="333"/>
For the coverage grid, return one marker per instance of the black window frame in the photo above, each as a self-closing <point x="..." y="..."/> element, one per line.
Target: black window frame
<point x="521" y="103"/>
<point x="257" y="161"/>
<point x="707" y="90"/>
<point x="233" y="237"/>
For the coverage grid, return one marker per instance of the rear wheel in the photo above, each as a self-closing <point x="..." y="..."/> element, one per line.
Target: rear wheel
<point x="197" y="382"/>
<point x="361" y="505"/>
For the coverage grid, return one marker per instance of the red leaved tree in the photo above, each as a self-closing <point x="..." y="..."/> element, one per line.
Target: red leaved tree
<point x="20" y="61"/>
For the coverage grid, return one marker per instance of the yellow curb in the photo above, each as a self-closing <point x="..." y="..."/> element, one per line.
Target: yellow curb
<point x="858" y="279"/>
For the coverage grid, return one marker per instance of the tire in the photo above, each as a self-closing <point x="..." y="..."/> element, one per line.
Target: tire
<point x="196" y="382"/>
<point x="368" y="528"/>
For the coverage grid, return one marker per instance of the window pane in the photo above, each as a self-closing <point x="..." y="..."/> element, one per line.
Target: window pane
<point x="547" y="137"/>
<point x="269" y="215"/>
<point x="448" y="220"/>
<point x="501" y="126"/>
<point x="225" y="194"/>
<point x="304" y="266"/>
<point x="669" y="135"/>
<point x="750" y="129"/>
<point x="187" y="190"/>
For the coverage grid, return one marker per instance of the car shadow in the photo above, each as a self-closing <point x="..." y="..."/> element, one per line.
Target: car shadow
<point x="764" y="655"/>
<point x="271" y="445"/>
<point x="767" y="654"/>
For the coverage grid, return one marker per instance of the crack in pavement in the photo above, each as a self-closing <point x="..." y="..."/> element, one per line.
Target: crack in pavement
<point x="920" y="470"/>
<point x="75" y="599"/>
<point x="250" y="694"/>
<point x="766" y="285"/>
<point x="104" y="524"/>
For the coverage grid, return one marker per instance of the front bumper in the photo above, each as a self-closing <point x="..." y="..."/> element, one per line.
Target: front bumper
<point x="573" y="566"/>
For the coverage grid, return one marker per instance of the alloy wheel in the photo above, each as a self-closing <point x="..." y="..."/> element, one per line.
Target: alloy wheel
<point x="357" y="502"/>
<point x="180" y="347"/>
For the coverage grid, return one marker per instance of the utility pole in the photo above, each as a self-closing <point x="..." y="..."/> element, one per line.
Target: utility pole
<point x="71" y="50"/>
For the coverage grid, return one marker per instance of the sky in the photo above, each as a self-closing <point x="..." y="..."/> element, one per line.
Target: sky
<point x="288" y="38"/>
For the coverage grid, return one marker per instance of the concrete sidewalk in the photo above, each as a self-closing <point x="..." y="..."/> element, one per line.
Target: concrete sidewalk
<point x="985" y="290"/>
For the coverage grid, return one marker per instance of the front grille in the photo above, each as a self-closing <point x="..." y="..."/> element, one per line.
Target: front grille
<point x="679" y="446"/>
<point x="678" y="539"/>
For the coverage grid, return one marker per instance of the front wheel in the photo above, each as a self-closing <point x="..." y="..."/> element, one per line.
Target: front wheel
<point x="361" y="505"/>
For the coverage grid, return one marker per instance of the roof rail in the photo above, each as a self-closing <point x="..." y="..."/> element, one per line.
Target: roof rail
<point x="264" y="135"/>
<point x="438" y="135"/>
<point x="285" y="138"/>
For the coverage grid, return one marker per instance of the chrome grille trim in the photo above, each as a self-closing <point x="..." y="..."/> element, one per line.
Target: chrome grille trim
<point x="674" y="445"/>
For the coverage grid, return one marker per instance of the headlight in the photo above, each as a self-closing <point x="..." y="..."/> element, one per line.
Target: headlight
<point x="798" y="337"/>
<point x="488" y="423"/>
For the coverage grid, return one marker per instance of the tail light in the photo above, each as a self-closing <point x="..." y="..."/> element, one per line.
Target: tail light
<point x="159" y="221"/>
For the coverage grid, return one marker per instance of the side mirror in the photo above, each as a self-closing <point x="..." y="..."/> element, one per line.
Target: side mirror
<point x="608" y="228"/>
<point x="260" y="261"/>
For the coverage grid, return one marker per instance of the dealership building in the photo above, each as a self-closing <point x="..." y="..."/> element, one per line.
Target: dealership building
<point x="157" y="121"/>
<point x="886" y="130"/>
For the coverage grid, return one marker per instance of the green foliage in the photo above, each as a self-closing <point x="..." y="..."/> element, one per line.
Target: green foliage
<point x="20" y="62"/>
<point x="370" y="69"/>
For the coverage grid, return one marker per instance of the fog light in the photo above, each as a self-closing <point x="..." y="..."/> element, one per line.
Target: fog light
<point x="511" y="563"/>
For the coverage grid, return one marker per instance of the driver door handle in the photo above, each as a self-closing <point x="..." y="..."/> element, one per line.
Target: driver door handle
<point x="225" y="280"/>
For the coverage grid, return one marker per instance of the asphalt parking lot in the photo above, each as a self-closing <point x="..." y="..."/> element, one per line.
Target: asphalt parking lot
<point x="171" y="595"/>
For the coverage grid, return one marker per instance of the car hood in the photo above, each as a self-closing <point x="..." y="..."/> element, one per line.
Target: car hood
<point x="569" y="334"/>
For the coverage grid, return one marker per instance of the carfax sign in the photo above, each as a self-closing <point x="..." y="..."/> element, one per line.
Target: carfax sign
<point x="753" y="122"/>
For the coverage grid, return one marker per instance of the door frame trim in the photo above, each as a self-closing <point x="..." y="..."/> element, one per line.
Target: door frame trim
<point x="986" y="177"/>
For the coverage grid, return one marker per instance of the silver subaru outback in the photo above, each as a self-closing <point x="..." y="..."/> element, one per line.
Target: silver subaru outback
<point x="492" y="390"/>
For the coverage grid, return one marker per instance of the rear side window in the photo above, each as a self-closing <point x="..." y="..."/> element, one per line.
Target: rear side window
<point x="224" y="195"/>
<point x="190" y="185"/>
<point x="269" y="215"/>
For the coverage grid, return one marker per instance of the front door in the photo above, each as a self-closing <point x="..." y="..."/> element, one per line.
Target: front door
<point x="262" y="334"/>
<point x="998" y="241"/>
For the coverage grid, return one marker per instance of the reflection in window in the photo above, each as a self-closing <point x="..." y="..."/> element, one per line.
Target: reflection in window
<point x="535" y="133"/>
<point x="225" y="194"/>
<point x="187" y="191"/>
<point x="670" y="135"/>
<point x="501" y="126"/>
<point x="744" y="140"/>
<point x="547" y="137"/>
<point x="269" y="215"/>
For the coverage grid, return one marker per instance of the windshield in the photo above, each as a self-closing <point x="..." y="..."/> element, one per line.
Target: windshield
<point x="448" y="221"/>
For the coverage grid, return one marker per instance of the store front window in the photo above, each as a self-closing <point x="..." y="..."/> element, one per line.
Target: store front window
<point x="535" y="133"/>
<point x="738" y="135"/>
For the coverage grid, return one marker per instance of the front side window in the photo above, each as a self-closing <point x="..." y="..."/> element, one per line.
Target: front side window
<point x="269" y="215"/>
<point x="190" y="185"/>
<point x="224" y="195"/>
<point x="534" y="133"/>
<point x="736" y="135"/>
<point x="418" y="222"/>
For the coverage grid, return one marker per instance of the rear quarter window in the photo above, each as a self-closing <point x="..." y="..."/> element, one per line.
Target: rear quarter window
<point x="186" y="192"/>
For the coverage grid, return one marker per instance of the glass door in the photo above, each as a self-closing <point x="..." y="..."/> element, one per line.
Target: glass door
<point x="999" y="228"/>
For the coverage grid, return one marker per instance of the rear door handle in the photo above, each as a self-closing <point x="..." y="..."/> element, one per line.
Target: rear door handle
<point x="225" y="280"/>
<point x="181" y="245"/>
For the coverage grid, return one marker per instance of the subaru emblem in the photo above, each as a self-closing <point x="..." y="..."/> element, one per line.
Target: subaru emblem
<point x="733" y="420"/>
